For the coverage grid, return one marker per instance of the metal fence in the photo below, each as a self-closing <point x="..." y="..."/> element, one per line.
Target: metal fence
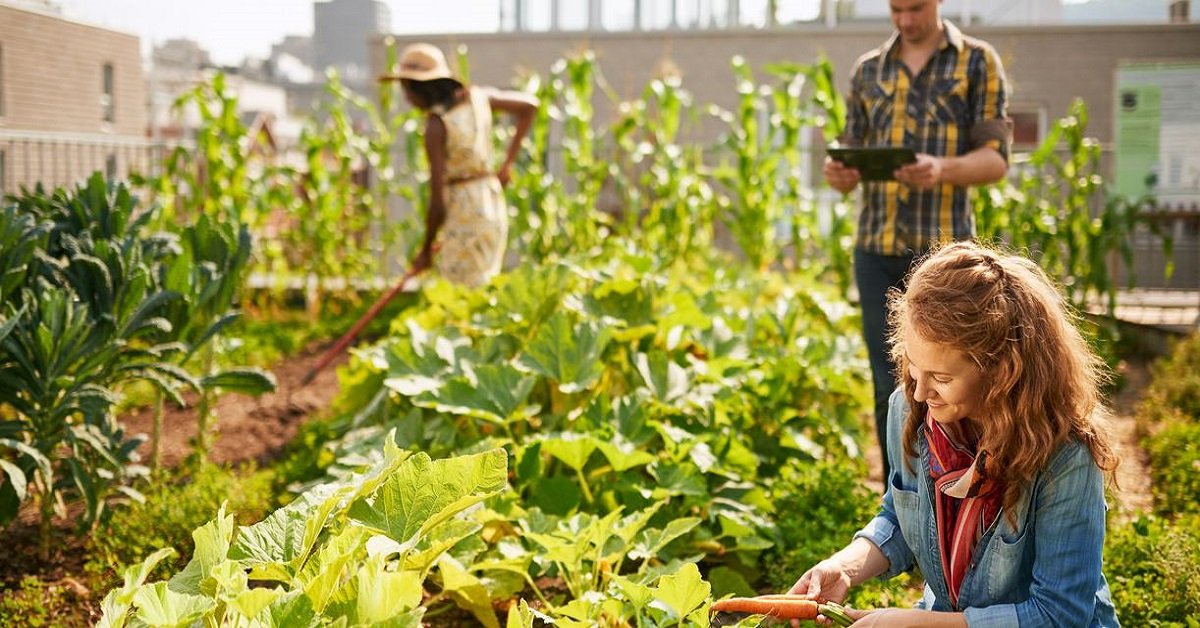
<point x="59" y="159"/>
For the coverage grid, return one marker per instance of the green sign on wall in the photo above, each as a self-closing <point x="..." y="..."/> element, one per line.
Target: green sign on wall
<point x="1158" y="131"/>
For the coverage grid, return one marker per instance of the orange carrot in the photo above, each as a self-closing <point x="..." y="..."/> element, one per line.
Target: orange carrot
<point x="780" y="607"/>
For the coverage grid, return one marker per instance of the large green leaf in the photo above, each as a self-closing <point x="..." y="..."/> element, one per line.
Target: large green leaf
<point x="212" y="546"/>
<point x="413" y="366"/>
<point x="652" y="541"/>
<point x="494" y="393"/>
<point x="276" y="544"/>
<point x="116" y="605"/>
<point x="571" y="448"/>
<point x="326" y="570"/>
<point x="568" y="355"/>
<point x="624" y="299"/>
<point x="250" y="604"/>
<point x="422" y="493"/>
<point x="555" y="494"/>
<point x="468" y="591"/>
<point x="384" y="595"/>
<point x="15" y="477"/>
<point x="429" y="547"/>
<point x="526" y="296"/>
<point x="622" y="455"/>
<point x="159" y="606"/>
<point x="293" y="608"/>
<point x="248" y="381"/>
<point x="666" y="380"/>
<point x="682" y="592"/>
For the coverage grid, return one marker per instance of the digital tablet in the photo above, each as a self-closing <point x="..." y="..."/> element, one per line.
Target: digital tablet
<point x="874" y="163"/>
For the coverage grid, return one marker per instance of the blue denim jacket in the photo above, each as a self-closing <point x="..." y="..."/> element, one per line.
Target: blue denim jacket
<point x="1044" y="571"/>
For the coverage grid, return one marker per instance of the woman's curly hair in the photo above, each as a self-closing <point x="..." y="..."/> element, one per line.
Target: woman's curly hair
<point x="1004" y="313"/>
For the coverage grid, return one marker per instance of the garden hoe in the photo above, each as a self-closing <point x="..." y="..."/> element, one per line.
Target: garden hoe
<point x="349" y="336"/>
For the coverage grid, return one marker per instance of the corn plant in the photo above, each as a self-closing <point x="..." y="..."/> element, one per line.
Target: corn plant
<point x="668" y="201"/>
<point x="328" y="235"/>
<point x="228" y="175"/>
<point x="535" y="197"/>
<point x="821" y="243"/>
<point x="760" y="177"/>
<point x="582" y="159"/>
<point x="1060" y="210"/>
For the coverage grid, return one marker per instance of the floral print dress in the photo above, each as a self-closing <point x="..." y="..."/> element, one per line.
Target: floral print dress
<point x="475" y="232"/>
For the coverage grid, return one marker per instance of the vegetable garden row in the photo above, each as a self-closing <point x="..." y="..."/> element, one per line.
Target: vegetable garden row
<point x="616" y="434"/>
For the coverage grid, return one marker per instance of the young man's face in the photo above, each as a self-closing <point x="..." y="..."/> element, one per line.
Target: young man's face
<point x="917" y="20"/>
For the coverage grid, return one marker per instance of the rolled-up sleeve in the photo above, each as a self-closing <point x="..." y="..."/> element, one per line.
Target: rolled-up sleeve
<point x="1068" y="544"/>
<point x="884" y="532"/>
<point x="989" y="103"/>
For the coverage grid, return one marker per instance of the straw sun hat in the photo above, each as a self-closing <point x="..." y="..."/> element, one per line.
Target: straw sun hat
<point x="421" y="62"/>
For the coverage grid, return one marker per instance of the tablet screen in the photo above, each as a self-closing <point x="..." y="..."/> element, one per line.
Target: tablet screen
<point x="874" y="163"/>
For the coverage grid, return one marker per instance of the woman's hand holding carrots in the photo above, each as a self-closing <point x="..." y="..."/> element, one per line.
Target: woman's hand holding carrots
<point x="827" y="580"/>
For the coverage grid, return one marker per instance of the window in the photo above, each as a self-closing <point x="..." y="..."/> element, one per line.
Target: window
<point x="107" y="112"/>
<point x="3" y="173"/>
<point x="110" y="167"/>
<point x="1029" y="126"/>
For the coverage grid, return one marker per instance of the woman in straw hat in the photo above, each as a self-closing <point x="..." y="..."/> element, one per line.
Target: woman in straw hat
<point x="467" y="222"/>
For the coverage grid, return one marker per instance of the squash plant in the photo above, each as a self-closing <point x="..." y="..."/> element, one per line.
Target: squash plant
<point x="618" y="388"/>
<point x="398" y="544"/>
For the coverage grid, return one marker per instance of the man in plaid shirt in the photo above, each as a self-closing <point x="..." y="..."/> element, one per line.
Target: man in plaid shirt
<point x="943" y="94"/>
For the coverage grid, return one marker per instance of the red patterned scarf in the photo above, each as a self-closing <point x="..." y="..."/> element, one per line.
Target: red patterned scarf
<point x="966" y="501"/>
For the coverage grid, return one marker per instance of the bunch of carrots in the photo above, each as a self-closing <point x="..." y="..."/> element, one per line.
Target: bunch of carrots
<point x="784" y="607"/>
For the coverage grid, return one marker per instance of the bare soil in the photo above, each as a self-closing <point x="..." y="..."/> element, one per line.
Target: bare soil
<point x="245" y="428"/>
<point x="1133" y="475"/>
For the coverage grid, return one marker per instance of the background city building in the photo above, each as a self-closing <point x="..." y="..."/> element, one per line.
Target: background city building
<point x="72" y="99"/>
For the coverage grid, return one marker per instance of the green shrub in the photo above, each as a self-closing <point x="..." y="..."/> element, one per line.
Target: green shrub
<point x="1153" y="568"/>
<point x="174" y="506"/>
<point x="1175" y="466"/>
<point x="1176" y="382"/>
<point x="35" y="603"/>
<point x="819" y="507"/>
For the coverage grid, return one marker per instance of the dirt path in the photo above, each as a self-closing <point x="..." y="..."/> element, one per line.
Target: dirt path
<point x="247" y="428"/>
<point x="1133" y="476"/>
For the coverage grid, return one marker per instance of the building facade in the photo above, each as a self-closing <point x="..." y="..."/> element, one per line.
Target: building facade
<point x="342" y="30"/>
<point x="72" y="100"/>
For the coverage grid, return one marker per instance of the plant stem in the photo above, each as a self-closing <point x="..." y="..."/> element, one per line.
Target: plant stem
<point x="156" y="434"/>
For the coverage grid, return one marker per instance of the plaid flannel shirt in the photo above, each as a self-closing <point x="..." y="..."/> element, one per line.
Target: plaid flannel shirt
<point x="956" y="104"/>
